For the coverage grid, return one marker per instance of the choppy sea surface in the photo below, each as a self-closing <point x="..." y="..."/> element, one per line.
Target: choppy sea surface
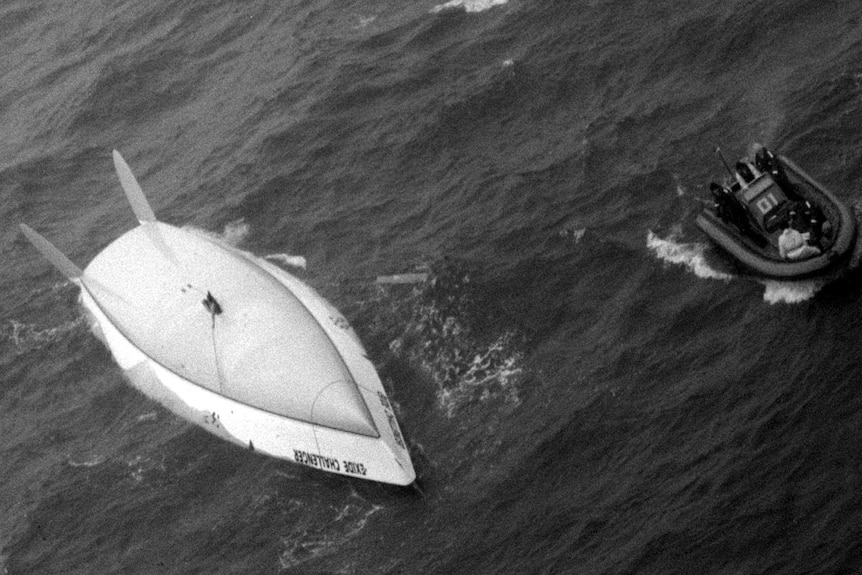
<point x="586" y="385"/>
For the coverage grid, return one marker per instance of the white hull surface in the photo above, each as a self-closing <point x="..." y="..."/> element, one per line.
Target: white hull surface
<point x="267" y="363"/>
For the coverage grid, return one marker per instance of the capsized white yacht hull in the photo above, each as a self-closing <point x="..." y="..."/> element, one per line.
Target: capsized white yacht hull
<point x="239" y="347"/>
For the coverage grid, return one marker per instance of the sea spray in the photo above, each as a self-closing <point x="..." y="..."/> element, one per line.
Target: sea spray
<point x="236" y="232"/>
<point x="691" y="256"/>
<point x="288" y="260"/>
<point x="790" y="292"/>
<point x="688" y="255"/>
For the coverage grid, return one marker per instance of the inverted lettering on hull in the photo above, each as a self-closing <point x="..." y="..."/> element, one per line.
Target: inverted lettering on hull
<point x="329" y="463"/>
<point x="315" y="460"/>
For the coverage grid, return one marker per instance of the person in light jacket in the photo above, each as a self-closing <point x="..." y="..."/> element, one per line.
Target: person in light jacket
<point x="793" y="245"/>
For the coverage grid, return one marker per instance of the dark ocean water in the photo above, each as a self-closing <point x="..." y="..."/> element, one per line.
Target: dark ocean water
<point x="587" y="386"/>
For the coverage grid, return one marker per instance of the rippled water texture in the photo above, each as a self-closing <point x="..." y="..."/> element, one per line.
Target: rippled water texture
<point x="586" y="385"/>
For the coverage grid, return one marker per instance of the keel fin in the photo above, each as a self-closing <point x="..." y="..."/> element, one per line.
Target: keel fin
<point x="52" y="254"/>
<point x="133" y="190"/>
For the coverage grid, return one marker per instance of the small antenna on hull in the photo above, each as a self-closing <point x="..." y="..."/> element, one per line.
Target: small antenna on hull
<point x="723" y="161"/>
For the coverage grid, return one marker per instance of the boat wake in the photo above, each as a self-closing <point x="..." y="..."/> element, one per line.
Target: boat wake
<point x="691" y="256"/>
<point x="790" y="292"/>
<point x="688" y="255"/>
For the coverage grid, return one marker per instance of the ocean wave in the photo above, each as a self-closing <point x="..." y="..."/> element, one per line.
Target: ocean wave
<point x="689" y="255"/>
<point x="468" y="5"/>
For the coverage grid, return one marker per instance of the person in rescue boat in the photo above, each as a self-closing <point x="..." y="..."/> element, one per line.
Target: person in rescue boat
<point x="744" y="171"/>
<point x="793" y="245"/>
<point x="764" y="160"/>
<point x="808" y="220"/>
<point x="728" y="208"/>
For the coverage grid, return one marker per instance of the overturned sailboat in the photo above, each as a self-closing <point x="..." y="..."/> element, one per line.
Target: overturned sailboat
<point x="238" y="346"/>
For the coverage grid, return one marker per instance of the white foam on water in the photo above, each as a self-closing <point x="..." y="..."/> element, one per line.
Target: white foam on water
<point x="492" y="373"/>
<point x="464" y="370"/>
<point x="235" y="233"/>
<point x="688" y="255"/>
<point x="468" y="5"/>
<point x="27" y="337"/>
<point x="288" y="260"/>
<point x="790" y="292"/>
<point x="574" y="235"/>
<point x="90" y="461"/>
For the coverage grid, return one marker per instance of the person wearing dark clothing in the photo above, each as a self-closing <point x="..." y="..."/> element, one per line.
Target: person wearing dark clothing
<point x="744" y="172"/>
<point x="764" y="160"/>
<point x="721" y="201"/>
<point x="728" y="208"/>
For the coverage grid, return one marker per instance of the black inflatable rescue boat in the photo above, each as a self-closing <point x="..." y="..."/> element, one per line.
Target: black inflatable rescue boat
<point x="775" y="220"/>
